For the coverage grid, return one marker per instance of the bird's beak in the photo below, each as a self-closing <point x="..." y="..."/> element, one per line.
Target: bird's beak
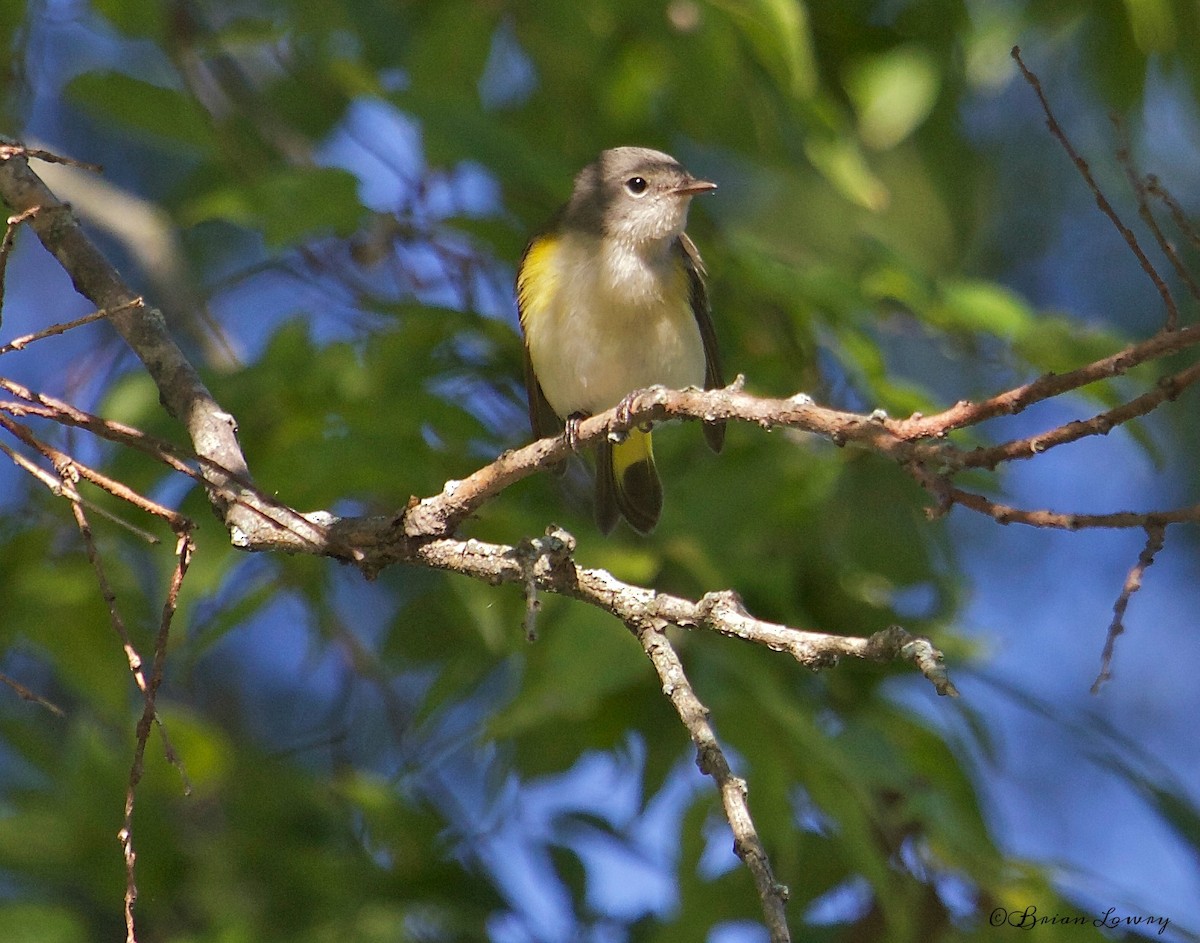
<point x="693" y="187"/>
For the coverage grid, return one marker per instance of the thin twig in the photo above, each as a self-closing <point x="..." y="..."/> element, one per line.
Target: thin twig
<point x="1140" y="191"/>
<point x="70" y="471"/>
<point x="20" y="343"/>
<point x="135" y="667"/>
<point x="1155" y="188"/>
<point x="145" y="724"/>
<point x="25" y="694"/>
<point x="1101" y="200"/>
<point x="1167" y="388"/>
<point x="6" y="244"/>
<point x="288" y="528"/>
<point x="8" y="151"/>
<point x="947" y="495"/>
<point x="61" y="488"/>
<point x="110" y="598"/>
<point x="1155" y="535"/>
<point x="1010" y="402"/>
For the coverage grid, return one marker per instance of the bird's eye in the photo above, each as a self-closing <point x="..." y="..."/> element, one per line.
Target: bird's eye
<point x="636" y="185"/>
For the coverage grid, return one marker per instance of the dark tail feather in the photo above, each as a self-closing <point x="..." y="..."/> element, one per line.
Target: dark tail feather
<point x="606" y="490"/>
<point x="640" y="496"/>
<point x="627" y="484"/>
<point x="714" y="434"/>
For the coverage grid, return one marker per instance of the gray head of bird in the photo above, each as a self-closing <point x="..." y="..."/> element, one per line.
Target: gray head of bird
<point x="634" y="194"/>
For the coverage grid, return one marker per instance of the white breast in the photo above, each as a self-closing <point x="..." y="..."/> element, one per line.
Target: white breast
<point x="609" y="329"/>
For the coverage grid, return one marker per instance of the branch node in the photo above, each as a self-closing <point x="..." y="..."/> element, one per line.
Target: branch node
<point x="540" y="558"/>
<point x="897" y="642"/>
<point x="719" y="604"/>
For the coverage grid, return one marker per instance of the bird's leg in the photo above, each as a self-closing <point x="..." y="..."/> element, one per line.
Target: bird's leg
<point x="625" y="411"/>
<point x="572" y="429"/>
<point x="625" y="407"/>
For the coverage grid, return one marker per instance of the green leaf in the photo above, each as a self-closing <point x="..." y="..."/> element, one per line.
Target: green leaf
<point x="1153" y="24"/>
<point x="174" y="119"/>
<point x="146" y="18"/>
<point x="286" y="204"/>
<point x="893" y="93"/>
<point x="583" y="657"/>
<point x="778" y="32"/>
<point x="977" y="305"/>
<point x="843" y="164"/>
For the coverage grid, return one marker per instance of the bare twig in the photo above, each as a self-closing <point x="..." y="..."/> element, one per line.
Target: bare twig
<point x="1141" y="191"/>
<point x="10" y="150"/>
<point x="277" y="527"/>
<point x="20" y="343"/>
<point x="723" y="612"/>
<point x="6" y="244"/>
<point x="1168" y="388"/>
<point x="1010" y="402"/>
<point x="1155" y="535"/>
<point x="1155" y="188"/>
<point x="70" y="471"/>
<point x="149" y="718"/>
<point x="63" y="488"/>
<point x="947" y="496"/>
<point x="25" y="694"/>
<point x="110" y="598"/>
<point x="135" y="668"/>
<point x="1101" y="200"/>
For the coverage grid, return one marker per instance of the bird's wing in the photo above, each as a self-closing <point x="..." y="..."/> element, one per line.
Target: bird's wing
<point x="714" y="432"/>
<point x="542" y="418"/>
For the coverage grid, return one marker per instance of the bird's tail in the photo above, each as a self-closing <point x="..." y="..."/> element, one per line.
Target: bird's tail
<point x="627" y="483"/>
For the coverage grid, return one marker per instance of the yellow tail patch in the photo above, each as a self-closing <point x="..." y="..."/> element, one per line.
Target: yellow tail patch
<point x="627" y="482"/>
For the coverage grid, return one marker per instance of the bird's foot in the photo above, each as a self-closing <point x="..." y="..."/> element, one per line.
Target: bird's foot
<point x="625" y="408"/>
<point x="571" y="428"/>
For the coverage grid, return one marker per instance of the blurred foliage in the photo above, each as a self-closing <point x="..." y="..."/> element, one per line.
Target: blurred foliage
<point x="353" y="183"/>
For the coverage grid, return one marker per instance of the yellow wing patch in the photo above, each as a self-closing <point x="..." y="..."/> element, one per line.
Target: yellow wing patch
<point x="537" y="279"/>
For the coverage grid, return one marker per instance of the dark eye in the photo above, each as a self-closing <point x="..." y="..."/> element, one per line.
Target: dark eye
<point x="636" y="185"/>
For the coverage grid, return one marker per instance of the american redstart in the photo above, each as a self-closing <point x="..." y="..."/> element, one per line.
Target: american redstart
<point x="612" y="300"/>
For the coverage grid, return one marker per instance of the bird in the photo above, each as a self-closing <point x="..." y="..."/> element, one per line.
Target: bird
<point x="612" y="299"/>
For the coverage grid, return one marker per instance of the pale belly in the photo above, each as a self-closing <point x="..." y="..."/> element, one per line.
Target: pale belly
<point x="591" y="349"/>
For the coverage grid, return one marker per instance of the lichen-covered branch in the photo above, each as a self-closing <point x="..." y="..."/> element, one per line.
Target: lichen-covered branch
<point x="213" y="432"/>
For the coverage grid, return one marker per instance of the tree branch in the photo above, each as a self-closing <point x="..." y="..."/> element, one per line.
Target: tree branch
<point x="710" y="758"/>
<point x="257" y="522"/>
<point x="424" y="533"/>
<point x="213" y="431"/>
